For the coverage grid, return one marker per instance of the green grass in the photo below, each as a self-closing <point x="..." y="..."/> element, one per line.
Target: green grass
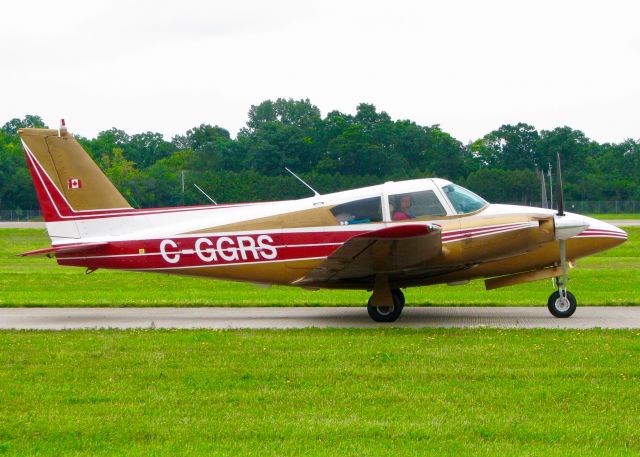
<point x="613" y="216"/>
<point x="320" y="392"/>
<point x="609" y="278"/>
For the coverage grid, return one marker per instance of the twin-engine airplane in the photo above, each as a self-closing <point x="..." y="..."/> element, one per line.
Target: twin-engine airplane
<point x="382" y="238"/>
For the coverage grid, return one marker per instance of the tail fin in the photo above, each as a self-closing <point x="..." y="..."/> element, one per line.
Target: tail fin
<point x="69" y="185"/>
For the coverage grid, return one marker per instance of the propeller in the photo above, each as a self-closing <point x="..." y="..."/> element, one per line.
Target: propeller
<point x="560" y="193"/>
<point x="543" y="190"/>
<point x="566" y="227"/>
<point x="562" y="286"/>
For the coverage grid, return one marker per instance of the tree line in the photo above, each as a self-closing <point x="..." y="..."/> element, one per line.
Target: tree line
<point x="337" y="152"/>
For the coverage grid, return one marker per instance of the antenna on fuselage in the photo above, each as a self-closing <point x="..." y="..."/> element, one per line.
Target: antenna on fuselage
<point x="543" y="190"/>
<point x="302" y="181"/>
<point x="205" y="194"/>
<point x="560" y="196"/>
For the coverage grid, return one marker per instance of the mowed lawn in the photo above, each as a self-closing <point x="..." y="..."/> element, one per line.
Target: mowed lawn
<point x="612" y="216"/>
<point x="320" y="392"/>
<point x="610" y="278"/>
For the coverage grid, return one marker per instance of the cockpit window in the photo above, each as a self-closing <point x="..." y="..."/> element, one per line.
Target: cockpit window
<point x="415" y="204"/>
<point x="463" y="200"/>
<point x="359" y="211"/>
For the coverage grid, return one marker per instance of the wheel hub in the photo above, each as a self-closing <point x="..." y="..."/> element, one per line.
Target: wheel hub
<point x="562" y="304"/>
<point x="385" y="310"/>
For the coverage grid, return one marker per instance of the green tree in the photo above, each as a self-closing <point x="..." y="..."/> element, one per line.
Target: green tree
<point x="29" y="121"/>
<point x="353" y="152"/>
<point x="298" y="113"/>
<point x="281" y="133"/>
<point x="121" y="172"/>
<point x="511" y="147"/>
<point x="212" y="146"/>
<point x="16" y="188"/>
<point x="147" y="148"/>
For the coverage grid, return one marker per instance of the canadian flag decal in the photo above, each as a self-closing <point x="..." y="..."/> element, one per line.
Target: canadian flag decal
<point x="74" y="183"/>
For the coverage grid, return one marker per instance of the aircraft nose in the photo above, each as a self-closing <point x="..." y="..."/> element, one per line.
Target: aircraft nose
<point x="605" y="232"/>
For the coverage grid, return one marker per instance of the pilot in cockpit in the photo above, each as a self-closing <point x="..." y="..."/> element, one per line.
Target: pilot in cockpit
<point x="403" y="211"/>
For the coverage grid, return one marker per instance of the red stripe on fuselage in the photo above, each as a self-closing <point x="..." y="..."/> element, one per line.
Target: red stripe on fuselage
<point x="455" y="235"/>
<point x="227" y="249"/>
<point x="183" y="251"/>
<point x="209" y="250"/>
<point x="47" y="192"/>
<point x="214" y="249"/>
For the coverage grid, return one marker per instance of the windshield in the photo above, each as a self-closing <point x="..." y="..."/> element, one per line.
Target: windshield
<point x="463" y="200"/>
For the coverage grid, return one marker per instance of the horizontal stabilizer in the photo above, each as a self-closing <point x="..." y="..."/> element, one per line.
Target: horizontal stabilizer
<point x="65" y="249"/>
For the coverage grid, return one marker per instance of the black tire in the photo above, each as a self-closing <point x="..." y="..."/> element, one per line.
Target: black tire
<point x="560" y="309"/>
<point x="398" y="296"/>
<point x="387" y="313"/>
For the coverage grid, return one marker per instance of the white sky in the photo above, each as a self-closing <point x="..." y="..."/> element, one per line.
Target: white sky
<point x="470" y="66"/>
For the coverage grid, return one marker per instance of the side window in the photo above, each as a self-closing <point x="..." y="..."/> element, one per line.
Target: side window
<point x="415" y="204"/>
<point x="359" y="211"/>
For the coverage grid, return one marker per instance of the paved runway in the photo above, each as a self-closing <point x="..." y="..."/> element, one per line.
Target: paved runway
<point x="281" y="318"/>
<point x="5" y="224"/>
<point x="624" y="222"/>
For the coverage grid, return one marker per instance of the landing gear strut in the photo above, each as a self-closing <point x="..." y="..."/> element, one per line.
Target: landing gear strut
<point x="562" y="303"/>
<point x="390" y="312"/>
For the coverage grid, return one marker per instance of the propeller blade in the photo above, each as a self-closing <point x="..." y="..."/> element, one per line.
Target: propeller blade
<point x="560" y="197"/>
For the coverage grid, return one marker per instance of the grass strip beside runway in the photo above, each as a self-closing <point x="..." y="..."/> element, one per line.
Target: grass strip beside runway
<point x="614" y="216"/>
<point x="609" y="278"/>
<point x="320" y="392"/>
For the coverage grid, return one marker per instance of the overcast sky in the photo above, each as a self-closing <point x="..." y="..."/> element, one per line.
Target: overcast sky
<point x="470" y="66"/>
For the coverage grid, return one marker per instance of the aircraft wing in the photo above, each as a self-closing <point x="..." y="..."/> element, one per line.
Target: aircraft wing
<point x="388" y="250"/>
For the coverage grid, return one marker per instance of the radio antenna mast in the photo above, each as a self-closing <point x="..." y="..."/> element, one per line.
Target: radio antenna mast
<point x="205" y="194"/>
<point x="301" y="180"/>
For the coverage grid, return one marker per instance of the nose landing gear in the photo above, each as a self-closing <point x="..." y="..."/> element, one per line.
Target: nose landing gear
<point x="562" y="303"/>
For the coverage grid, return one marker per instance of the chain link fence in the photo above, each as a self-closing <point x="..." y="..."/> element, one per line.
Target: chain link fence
<point x="20" y="215"/>
<point x="593" y="207"/>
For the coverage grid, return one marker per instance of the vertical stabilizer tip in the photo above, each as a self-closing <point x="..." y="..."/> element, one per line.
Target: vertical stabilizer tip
<point x="63" y="128"/>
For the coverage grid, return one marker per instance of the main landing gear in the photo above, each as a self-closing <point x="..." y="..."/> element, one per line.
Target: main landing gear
<point x="387" y="312"/>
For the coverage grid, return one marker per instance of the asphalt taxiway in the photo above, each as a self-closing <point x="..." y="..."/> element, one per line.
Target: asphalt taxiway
<point x="339" y="317"/>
